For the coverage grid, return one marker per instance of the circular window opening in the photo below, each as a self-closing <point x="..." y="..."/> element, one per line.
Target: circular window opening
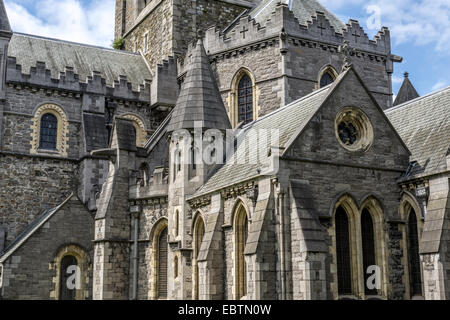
<point x="354" y="130"/>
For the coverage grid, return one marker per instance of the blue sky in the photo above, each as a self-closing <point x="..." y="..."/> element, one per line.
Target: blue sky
<point x="420" y="29"/>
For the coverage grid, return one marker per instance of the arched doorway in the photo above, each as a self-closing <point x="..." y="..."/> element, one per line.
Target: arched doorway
<point x="69" y="279"/>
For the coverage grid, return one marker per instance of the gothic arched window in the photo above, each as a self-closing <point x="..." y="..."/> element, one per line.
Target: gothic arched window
<point x="67" y="282"/>
<point x="368" y="248"/>
<point x="415" y="276"/>
<point x="49" y="132"/>
<point x="162" y="265"/>
<point x="327" y="76"/>
<point x="344" y="271"/>
<point x="245" y="100"/>
<point x="241" y="235"/>
<point x="199" y="233"/>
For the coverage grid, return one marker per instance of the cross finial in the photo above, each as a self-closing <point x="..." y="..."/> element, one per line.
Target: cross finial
<point x="406" y="74"/>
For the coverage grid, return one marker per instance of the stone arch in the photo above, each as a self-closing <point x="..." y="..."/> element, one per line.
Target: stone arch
<point x="82" y="262"/>
<point x="198" y="232"/>
<point x="408" y="206"/>
<point x="139" y="125"/>
<point x="240" y="226"/>
<point x="240" y="201"/>
<point x="233" y="102"/>
<point x="62" y="129"/>
<point x="158" y="229"/>
<point x="328" y="69"/>
<point x="375" y="208"/>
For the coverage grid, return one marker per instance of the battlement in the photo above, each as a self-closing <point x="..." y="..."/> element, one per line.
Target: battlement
<point x="157" y="186"/>
<point x="68" y="80"/>
<point x="164" y="87"/>
<point x="318" y="29"/>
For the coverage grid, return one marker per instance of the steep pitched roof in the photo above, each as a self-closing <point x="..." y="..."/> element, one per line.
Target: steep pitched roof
<point x="243" y="164"/>
<point x="199" y="99"/>
<point x="85" y="59"/>
<point x="32" y="228"/>
<point x="4" y="21"/>
<point x="424" y="125"/>
<point x="407" y="92"/>
<point x="302" y="9"/>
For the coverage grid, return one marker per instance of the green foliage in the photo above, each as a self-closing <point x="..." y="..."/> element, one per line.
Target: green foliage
<point x="119" y="44"/>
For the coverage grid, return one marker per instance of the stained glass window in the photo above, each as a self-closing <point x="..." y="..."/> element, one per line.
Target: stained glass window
<point x="368" y="246"/>
<point x="49" y="132"/>
<point x="347" y="133"/>
<point x="326" y="79"/>
<point x="415" y="277"/>
<point x="343" y="252"/>
<point x="245" y="100"/>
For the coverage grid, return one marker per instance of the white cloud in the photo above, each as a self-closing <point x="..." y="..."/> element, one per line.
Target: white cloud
<point x="397" y="80"/>
<point x="439" y="85"/>
<point x="418" y="22"/>
<point x="72" y="20"/>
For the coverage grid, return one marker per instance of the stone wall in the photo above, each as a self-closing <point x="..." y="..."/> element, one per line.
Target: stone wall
<point x="30" y="273"/>
<point x="30" y="185"/>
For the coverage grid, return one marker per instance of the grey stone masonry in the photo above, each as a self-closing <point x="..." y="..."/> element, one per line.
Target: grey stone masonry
<point x="31" y="269"/>
<point x="112" y="221"/>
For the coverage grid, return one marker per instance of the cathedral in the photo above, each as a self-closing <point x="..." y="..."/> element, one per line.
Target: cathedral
<point x="224" y="150"/>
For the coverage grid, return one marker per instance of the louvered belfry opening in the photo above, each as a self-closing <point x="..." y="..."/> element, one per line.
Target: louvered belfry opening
<point x="49" y="132"/>
<point x="415" y="276"/>
<point x="368" y="246"/>
<point x="245" y="100"/>
<point x="162" y="265"/>
<point x="343" y="252"/>
<point x="67" y="291"/>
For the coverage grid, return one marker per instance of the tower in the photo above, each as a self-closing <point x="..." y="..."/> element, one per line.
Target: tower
<point x="5" y="37"/>
<point x="162" y="28"/>
<point x="195" y="146"/>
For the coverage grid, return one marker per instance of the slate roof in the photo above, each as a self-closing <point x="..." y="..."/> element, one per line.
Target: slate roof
<point x="199" y="99"/>
<point x="31" y="228"/>
<point x="302" y="9"/>
<point x="406" y="93"/>
<point x="57" y="54"/>
<point x="289" y="120"/>
<point x="424" y="125"/>
<point x="4" y="21"/>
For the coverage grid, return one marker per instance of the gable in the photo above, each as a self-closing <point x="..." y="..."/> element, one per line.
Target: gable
<point x="319" y="141"/>
<point x="72" y="220"/>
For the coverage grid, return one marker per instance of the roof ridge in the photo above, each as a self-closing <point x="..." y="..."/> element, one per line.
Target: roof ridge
<point x="76" y="43"/>
<point x="309" y="95"/>
<point x="417" y="99"/>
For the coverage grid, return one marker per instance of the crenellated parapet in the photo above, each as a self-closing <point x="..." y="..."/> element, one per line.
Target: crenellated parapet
<point x="157" y="186"/>
<point x="68" y="80"/>
<point x="164" y="87"/>
<point x="318" y="32"/>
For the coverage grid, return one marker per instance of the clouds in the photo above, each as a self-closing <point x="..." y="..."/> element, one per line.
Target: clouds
<point x="439" y="85"/>
<point x="419" y="22"/>
<point x="90" y="22"/>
